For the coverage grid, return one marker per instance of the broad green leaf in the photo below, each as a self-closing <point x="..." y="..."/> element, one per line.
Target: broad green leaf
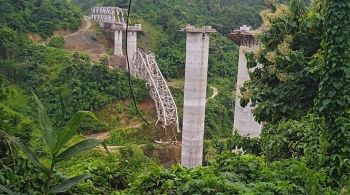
<point x="68" y="184"/>
<point x="341" y="102"/>
<point x="6" y="190"/>
<point x="45" y="125"/>
<point x="78" y="148"/>
<point x="324" y="104"/>
<point x="28" y="153"/>
<point x="71" y="127"/>
<point x="105" y="146"/>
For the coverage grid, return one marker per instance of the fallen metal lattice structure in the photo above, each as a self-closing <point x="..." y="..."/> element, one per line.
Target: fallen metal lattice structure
<point x="143" y="66"/>
<point x="147" y="69"/>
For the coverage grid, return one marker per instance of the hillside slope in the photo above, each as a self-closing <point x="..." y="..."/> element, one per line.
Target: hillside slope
<point x="301" y="151"/>
<point x="41" y="17"/>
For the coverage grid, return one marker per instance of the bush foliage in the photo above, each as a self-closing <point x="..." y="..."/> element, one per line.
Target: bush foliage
<point x="41" y="17"/>
<point x="300" y="93"/>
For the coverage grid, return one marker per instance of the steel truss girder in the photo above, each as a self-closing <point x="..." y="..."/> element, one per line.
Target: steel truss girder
<point x="148" y="70"/>
<point x="109" y="14"/>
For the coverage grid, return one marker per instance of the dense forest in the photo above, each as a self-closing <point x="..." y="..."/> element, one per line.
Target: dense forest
<point x="52" y="99"/>
<point x="42" y="17"/>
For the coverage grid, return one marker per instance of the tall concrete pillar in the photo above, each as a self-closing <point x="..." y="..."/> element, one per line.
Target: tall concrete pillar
<point x="244" y="121"/>
<point x="197" y="51"/>
<point x="132" y="46"/>
<point x="118" y="42"/>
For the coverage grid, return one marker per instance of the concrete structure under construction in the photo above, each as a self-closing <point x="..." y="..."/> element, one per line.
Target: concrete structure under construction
<point x="245" y="36"/>
<point x="244" y="121"/>
<point x="197" y="52"/>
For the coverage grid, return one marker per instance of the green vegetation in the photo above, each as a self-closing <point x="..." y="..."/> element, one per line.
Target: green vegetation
<point x="219" y="111"/>
<point x="136" y="135"/>
<point x="111" y="172"/>
<point x="233" y="174"/>
<point x="287" y="84"/>
<point x="333" y="100"/>
<point x="56" y="41"/>
<point x="304" y="138"/>
<point x="12" y="115"/>
<point x="55" y="144"/>
<point x="66" y="83"/>
<point x="41" y="17"/>
<point x="301" y="94"/>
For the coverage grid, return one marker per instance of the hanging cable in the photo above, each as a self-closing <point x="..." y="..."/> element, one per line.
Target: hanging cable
<point x="129" y="74"/>
<point x="128" y="63"/>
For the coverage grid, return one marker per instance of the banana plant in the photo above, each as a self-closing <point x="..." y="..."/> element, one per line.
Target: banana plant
<point x="57" y="147"/>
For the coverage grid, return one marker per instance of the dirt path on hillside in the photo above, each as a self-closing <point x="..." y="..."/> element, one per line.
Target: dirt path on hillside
<point x="106" y="135"/>
<point x="84" y="40"/>
<point x="99" y="136"/>
<point x="86" y="26"/>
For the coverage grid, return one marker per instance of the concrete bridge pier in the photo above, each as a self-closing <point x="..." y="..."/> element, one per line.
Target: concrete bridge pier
<point x="132" y="46"/>
<point x="244" y="121"/>
<point x="118" y="42"/>
<point x="197" y="52"/>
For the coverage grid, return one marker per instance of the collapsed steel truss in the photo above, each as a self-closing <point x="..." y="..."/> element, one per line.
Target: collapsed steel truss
<point x="147" y="69"/>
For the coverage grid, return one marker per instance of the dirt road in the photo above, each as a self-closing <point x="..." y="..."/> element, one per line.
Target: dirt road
<point x="84" y="40"/>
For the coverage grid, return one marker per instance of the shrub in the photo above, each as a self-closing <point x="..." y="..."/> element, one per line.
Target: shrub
<point x="13" y="120"/>
<point x="133" y="162"/>
<point x="57" y="142"/>
<point x="56" y="41"/>
<point x="233" y="174"/>
<point x="104" y="168"/>
<point x="15" y="123"/>
<point x="20" y="176"/>
<point x="296" y="139"/>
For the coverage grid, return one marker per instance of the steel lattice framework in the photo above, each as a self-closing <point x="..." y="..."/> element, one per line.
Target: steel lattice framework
<point x="109" y="14"/>
<point x="147" y="69"/>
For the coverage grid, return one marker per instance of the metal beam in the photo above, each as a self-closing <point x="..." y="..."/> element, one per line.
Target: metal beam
<point x="109" y="14"/>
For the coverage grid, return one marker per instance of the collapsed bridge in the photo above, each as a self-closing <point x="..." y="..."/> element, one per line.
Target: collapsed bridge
<point x="148" y="70"/>
<point x="142" y="65"/>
